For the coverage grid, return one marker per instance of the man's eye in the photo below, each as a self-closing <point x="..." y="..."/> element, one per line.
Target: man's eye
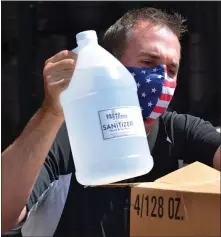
<point x="147" y="63"/>
<point x="171" y="73"/>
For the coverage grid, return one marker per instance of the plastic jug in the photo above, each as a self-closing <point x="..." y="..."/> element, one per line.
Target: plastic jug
<point x="103" y="117"/>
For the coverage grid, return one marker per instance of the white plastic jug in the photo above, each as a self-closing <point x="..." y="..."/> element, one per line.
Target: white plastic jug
<point x="103" y="117"/>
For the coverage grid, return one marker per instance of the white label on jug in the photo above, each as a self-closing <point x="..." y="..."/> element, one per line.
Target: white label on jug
<point x="118" y="122"/>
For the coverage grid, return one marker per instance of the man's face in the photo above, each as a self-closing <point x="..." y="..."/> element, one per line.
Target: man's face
<point x="151" y="45"/>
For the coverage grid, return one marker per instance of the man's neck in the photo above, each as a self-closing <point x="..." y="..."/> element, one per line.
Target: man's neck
<point x="148" y="127"/>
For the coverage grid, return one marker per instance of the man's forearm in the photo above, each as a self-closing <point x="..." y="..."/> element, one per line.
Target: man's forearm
<point x="22" y="161"/>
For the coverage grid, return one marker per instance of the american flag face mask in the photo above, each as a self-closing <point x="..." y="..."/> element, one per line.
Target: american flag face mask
<point x="155" y="90"/>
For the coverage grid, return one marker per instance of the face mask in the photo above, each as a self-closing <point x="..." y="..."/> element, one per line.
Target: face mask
<point x="155" y="90"/>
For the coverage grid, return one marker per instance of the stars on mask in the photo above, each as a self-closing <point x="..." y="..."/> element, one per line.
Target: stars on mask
<point x="153" y="90"/>
<point x="154" y="70"/>
<point x="159" y="76"/>
<point x="148" y="80"/>
<point x="133" y="74"/>
<point x="138" y="85"/>
<point x="143" y="72"/>
<point x="143" y="94"/>
<point x="150" y="104"/>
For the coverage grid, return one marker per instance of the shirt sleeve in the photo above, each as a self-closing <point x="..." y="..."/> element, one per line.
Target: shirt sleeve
<point x="193" y="138"/>
<point x="56" y="163"/>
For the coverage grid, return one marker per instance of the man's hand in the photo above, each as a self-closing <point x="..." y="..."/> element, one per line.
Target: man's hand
<point x="217" y="159"/>
<point x="57" y="74"/>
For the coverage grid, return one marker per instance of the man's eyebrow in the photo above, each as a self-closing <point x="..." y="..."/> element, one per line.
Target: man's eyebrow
<point x="151" y="55"/>
<point x="157" y="57"/>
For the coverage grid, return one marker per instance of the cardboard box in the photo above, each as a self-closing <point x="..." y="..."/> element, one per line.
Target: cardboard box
<point x="183" y="203"/>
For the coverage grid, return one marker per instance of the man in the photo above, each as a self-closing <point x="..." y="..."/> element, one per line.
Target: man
<point x="43" y="196"/>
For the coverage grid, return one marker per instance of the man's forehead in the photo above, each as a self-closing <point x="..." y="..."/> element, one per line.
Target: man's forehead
<point x="157" y="51"/>
<point x="156" y="39"/>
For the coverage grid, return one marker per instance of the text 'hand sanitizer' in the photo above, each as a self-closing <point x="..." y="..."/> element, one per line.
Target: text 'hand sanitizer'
<point x="103" y="117"/>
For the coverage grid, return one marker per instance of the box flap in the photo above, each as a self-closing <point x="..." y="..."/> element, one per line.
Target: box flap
<point x="195" y="177"/>
<point x="115" y="185"/>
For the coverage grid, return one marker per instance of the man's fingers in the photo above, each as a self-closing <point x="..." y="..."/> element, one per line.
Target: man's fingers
<point x="58" y="77"/>
<point x="61" y="84"/>
<point x="66" y="64"/>
<point x="57" y="57"/>
<point x="65" y="54"/>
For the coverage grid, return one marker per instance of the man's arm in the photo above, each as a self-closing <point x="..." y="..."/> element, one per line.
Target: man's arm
<point x="193" y="139"/>
<point x="22" y="161"/>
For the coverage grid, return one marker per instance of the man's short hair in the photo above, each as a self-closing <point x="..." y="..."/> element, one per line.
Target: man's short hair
<point x="115" y="38"/>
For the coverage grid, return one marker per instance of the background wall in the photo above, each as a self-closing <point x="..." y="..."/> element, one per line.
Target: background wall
<point x="34" y="31"/>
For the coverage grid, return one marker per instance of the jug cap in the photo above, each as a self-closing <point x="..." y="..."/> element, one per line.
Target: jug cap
<point x="89" y="35"/>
